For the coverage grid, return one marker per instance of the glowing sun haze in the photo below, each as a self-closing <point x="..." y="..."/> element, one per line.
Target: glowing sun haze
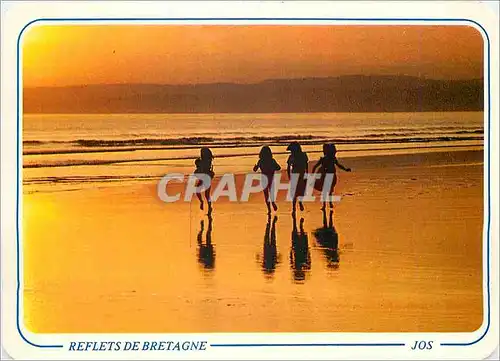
<point x="176" y="54"/>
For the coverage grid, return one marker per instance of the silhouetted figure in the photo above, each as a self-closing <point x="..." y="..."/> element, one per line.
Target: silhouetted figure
<point x="327" y="165"/>
<point x="267" y="165"/>
<point x="328" y="239"/>
<point x="206" y="250"/>
<point x="204" y="166"/>
<point x="300" y="257"/>
<point x="297" y="163"/>
<point x="269" y="251"/>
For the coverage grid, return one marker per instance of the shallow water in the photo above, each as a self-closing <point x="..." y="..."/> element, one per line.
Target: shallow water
<point x="71" y="151"/>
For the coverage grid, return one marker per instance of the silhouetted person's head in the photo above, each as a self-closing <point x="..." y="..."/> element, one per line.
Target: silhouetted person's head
<point x="265" y="153"/>
<point x="333" y="149"/>
<point x="206" y="153"/>
<point x="326" y="147"/>
<point x="294" y="148"/>
<point x="329" y="149"/>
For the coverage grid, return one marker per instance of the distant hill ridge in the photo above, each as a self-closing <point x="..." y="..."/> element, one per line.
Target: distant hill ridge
<point x="353" y="93"/>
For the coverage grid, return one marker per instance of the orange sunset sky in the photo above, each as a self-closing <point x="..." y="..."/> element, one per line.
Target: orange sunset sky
<point x="174" y="54"/>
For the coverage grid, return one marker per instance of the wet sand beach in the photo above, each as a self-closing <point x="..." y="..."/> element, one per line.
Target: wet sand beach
<point x="408" y="232"/>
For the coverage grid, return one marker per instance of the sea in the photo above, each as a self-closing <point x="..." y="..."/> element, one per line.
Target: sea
<point x="73" y="151"/>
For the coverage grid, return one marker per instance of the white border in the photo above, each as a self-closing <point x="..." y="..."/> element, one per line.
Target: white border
<point x="16" y="15"/>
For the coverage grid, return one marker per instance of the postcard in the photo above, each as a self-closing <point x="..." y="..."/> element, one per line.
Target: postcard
<point x="251" y="180"/>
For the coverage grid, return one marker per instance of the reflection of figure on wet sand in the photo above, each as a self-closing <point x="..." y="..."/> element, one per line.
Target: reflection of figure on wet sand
<point x="270" y="252"/>
<point x="300" y="257"/>
<point x="206" y="251"/>
<point x="328" y="239"/>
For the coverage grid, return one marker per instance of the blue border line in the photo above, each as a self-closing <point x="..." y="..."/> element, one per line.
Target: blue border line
<point x="488" y="228"/>
<point x="18" y="90"/>
<point x="262" y="19"/>
<point x="304" y="344"/>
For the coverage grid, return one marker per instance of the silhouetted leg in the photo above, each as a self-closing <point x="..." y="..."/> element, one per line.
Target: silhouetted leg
<point x="333" y="188"/>
<point x="200" y="199"/>
<point x="209" y="201"/>
<point x="266" y="198"/>
<point x="331" y="219"/>
<point x="272" y="197"/>
<point x="301" y="187"/>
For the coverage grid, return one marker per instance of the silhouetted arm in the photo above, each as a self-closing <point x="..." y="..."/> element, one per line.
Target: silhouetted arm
<point x="341" y="166"/>
<point x="276" y="165"/>
<point x="316" y="166"/>
<point x="288" y="167"/>
<point x="256" y="166"/>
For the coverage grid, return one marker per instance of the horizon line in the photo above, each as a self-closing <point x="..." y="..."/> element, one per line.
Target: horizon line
<point x="255" y="82"/>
